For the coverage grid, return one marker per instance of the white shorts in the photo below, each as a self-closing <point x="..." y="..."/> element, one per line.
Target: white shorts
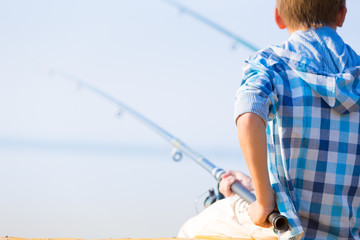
<point x="226" y="218"/>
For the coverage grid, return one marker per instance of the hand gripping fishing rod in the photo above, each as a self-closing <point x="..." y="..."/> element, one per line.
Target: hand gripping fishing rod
<point x="278" y="221"/>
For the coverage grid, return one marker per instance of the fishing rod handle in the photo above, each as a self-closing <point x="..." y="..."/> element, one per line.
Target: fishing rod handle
<point x="279" y="221"/>
<point x="240" y="190"/>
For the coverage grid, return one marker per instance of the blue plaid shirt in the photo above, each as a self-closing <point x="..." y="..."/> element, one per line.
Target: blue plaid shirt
<point x="308" y="92"/>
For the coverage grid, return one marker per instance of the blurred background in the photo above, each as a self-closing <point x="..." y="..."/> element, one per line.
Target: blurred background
<point x="69" y="165"/>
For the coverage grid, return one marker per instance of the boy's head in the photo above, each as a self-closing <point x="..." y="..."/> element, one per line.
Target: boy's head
<point x="305" y="14"/>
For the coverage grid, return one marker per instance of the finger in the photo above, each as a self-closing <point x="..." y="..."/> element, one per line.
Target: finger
<point x="224" y="187"/>
<point x="257" y="222"/>
<point x="265" y="224"/>
<point x="231" y="179"/>
<point x="225" y="184"/>
<point x="227" y="174"/>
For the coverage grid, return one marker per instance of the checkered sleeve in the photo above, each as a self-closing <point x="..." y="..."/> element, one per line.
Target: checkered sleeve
<point x="257" y="93"/>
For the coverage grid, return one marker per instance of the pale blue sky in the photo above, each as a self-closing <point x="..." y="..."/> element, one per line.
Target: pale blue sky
<point x="69" y="168"/>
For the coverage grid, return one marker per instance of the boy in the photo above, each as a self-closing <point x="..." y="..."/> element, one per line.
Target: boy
<point x="302" y="101"/>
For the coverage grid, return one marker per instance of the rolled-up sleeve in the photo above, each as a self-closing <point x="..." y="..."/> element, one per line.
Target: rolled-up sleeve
<point x="249" y="102"/>
<point x="257" y="93"/>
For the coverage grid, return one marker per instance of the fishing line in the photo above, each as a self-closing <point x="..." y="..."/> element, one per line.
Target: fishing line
<point x="184" y="9"/>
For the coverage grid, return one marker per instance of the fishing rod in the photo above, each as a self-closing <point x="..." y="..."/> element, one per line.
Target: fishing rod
<point x="184" y="9"/>
<point x="278" y="221"/>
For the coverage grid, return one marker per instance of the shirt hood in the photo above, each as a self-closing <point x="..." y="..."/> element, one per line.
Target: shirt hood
<point x="337" y="83"/>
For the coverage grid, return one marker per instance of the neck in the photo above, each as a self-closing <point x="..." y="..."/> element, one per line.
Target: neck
<point x="291" y="30"/>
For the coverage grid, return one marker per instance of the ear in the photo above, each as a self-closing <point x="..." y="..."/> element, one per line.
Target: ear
<point x="340" y="18"/>
<point x="278" y="19"/>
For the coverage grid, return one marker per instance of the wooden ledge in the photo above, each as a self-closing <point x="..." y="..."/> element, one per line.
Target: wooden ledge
<point x="196" y="238"/>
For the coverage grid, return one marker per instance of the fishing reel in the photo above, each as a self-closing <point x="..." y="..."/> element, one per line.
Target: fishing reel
<point x="210" y="197"/>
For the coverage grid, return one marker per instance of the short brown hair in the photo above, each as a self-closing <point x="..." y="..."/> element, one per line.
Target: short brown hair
<point x="309" y="13"/>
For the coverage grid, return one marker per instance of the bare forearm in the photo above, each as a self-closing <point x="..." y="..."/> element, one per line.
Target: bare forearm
<point x="252" y="138"/>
